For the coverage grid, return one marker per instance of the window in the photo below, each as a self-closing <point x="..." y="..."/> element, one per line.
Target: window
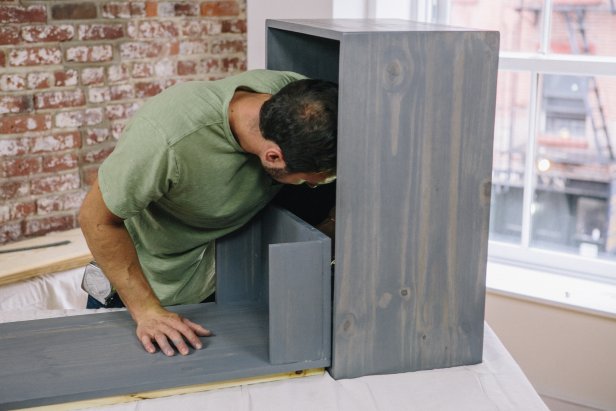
<point x="554" y="175"/>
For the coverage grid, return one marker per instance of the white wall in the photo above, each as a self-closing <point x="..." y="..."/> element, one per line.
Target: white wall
<point x="569" y="356"/>
<point x="258" y="10"/>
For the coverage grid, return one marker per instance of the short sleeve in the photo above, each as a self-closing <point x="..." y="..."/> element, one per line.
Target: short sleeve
<point x="141" y="169"/>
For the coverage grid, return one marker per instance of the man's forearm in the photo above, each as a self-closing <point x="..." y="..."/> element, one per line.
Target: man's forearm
<point x="115" y="253"/>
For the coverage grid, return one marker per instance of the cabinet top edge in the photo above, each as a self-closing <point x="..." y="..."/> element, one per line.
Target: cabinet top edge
<point x="336" y="28"/>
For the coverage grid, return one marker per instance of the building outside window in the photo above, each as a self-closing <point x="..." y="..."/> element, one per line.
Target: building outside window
<point x="554" y="174"/>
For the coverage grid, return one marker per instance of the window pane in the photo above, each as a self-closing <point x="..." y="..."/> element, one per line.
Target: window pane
<point x="519" y="21"/>
<point x="584" y="27"/>
<point x="510" y="140"/>
<point x="572" y="208"/>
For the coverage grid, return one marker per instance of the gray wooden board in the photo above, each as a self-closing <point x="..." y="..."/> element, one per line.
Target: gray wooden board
<point x="416" y="119"/>
<point x="299" y="272"/>
<point x="297" y="320"/>
<point x="92" y="356"/>
<point x="239" y="272"/>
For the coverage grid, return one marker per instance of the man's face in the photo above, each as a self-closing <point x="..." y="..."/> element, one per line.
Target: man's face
<point x="312" y="180"/>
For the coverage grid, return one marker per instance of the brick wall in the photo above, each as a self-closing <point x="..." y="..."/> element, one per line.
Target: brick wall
<point x="72" y="73"/>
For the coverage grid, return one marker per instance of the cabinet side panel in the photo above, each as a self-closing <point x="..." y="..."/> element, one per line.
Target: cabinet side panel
<point x="416" y="122"/>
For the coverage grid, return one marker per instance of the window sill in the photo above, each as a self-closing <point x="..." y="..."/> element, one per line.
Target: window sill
<point x="577" y="294"/>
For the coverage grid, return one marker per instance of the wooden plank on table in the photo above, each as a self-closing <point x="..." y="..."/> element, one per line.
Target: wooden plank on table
<point x="20" y="265"/>
<point x="61" y="360"/>
<point x="191" y="389"/>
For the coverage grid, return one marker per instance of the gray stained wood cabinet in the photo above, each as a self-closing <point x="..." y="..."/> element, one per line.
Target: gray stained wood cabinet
<point x="415" y="131"/>
<point x="416" y="119"/>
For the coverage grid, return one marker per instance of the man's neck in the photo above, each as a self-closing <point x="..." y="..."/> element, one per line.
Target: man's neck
<point x="244" y="111"/>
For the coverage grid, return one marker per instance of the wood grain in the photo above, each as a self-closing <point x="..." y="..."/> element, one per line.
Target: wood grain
<point x="415" y="128"/>
<point x="20" y="265"/>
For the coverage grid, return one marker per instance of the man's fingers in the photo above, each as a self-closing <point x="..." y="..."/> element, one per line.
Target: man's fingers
<point x="197" y="328"/>
<point x="163" y="343"/>
<point x="147" y="344"/>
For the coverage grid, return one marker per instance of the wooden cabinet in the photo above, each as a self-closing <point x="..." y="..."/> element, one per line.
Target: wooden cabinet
<point x="415" y="130"/>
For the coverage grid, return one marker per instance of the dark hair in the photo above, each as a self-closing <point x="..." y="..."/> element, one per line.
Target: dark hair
<point x="302" y="118"/>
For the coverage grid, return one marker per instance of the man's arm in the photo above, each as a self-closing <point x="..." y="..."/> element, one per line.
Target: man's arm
<point x="115" y="253"/>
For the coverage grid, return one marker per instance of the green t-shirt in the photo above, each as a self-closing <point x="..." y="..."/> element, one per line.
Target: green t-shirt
<point x="180" y="180"/>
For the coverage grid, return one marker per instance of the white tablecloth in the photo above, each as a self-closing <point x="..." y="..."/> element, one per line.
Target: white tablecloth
<point x="496" y="384"/>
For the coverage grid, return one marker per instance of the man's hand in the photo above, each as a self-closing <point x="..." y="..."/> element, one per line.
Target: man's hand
<point x="167" y="329"/>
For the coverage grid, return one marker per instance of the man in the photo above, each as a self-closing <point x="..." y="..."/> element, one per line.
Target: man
<point x="196" y="162"/>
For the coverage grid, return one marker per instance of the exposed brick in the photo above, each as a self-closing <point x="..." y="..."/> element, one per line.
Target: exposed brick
<point x="141" y="50"/>
<point x="188" y="48"/>
<point x="13" y="189"/>
<point x="176" y="9"/>
<point x="92" y="75"/>
<point x="233" y="64"/>
<point x="69" y="119"/>
<point x="121" y="111"/>
<point x="40" y="80"/>
<point x="10" y="232"/>
<point x="12" y="82"/>
<point x="97" y="156"/>
<point x="220" y="8"/>
<point x="41" y="226"/>
<point x="56" y="142"/>
<point x="97" y="135"/>
<point x="117" y="73"/>
<point x="34" y="56"/>
<point x="228" y="46"/>
<point x="98" y="94"/>
<point x="21" y="14"/>
<point x="2" y="59"/>
<point x="209" y="65"/>
<point x="59" y="99"/>
<point x="117" y="127"/>
<point x="22" y="210"/>
<point x="100" y="31"/>
<point x="141" y="70"/>
<point x="123" y="10"/>
<point x="234" y="26"/>
<point x="55" y="163"/>
<point x="9" y="35"/>
<point x="21" y="123"/>
<point x="60" y="202"/>
<point x="44" y="33"/>
<point x="149" y="89"/>
<point x="14" y="146"/>
<point x="152" y="29"/>
<point x="90" y="54"/>
<point x="186" y="67"/>
<point x="164" y="68"/>
<point x="201" y="27"/>
<point x="20" y="166"/>
<point x="124" y="91"/>
<point x="15" y="104"/>
<point x="5" y="213"/>
<point x="56" y="183"/>
<point x="73" y="11"/>
<point x="151" y="8"/>
<point x="93" y="116"/>
<point x="66" y="78"/>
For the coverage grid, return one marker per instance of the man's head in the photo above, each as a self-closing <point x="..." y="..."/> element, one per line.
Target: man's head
<point x="302" y="120"/>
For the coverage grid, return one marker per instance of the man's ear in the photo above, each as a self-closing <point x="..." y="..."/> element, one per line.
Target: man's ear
<point x="273" y="158"/>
